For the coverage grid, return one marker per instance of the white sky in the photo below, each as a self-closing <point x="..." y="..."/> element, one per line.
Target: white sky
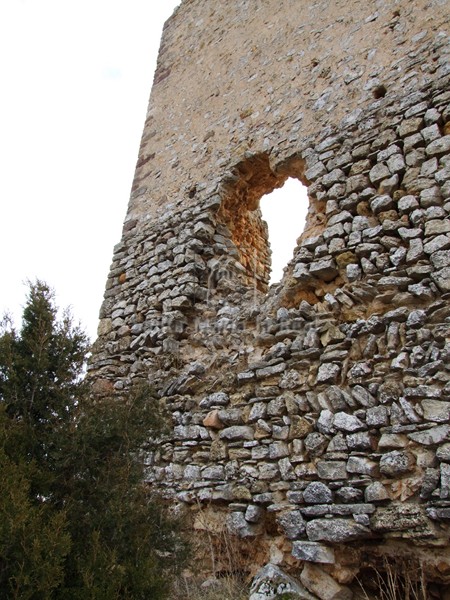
<point x="284" y="210"/>
<point x="75" y="77"/>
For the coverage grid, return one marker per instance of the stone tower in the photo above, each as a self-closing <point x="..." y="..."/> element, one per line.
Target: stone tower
<point x="311" y="418"/>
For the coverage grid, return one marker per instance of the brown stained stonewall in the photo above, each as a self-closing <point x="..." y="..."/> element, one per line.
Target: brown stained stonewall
<point x="336" y="380"/>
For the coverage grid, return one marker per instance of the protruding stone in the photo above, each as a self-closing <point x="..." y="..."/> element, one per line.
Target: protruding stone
<point x="376" y="492"/>
<point x="336" y="530"/>
<point x="237" y="432"/>
<point x="292" y="524"/>
<point x="271" y="582"/>
<point x="362" y="466"/>
<point x="317" y="493"/>
<point x="328" y="373"/>
<point x="436" y="410"/>
<point x="313" y="552"/>
<point x="212" y="420"/>
<point x="238" y="525"/>
<point x="332" y="470"/>
<point x="316" y="443"/>
<point x="349" y="495"/>
<point x="429" y="437"/>
<point x="253" y="513"/>
<point x="348" y="423"/>
<point x="323" y="585"/>
<point x="216" y="399"/>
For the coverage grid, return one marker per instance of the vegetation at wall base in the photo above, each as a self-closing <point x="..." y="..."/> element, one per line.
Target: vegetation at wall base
<point x="76" y="520"/>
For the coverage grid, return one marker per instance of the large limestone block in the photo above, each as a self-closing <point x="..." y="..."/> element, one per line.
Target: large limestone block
<point x="323" y="585"/>
<point x="270" y="582"/>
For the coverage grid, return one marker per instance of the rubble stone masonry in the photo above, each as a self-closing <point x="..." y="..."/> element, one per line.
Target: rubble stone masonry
<point x="311" y="418"/>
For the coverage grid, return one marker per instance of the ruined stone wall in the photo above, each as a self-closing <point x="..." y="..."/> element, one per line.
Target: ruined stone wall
<point x="312" y="416"/>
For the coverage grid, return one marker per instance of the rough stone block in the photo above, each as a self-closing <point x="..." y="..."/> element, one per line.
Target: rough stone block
<point x="348" y="423"/>
<point x="216" y="399"/>
<point x="399" y="517"/>
<point x="328" y="373"/>
<point x="271" y="582"/>
<point x="376" y="492"/>
<point x="438" y="146"/>
<point x="442" y="279"/>
<point x="445" y="481"/>
<point x="313" y="552"/>
<point x="332" y="470"/>
<point x="292" y="524"/>
<point x="429" y="437"/>
<point x="317" y="493"/>
<point x="362" y="466"/>
<point x="237" y="432"/>
<point x="323" y="585"/>
<point x="324" y="269"/>
<point x="436" y="410"/>
<point x="336" y="530"/>
<point x="396" y="463"/>
<point x="237" y="525"/>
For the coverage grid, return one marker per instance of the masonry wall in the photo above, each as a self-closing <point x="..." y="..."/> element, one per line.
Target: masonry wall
<point x="312" y="417"/>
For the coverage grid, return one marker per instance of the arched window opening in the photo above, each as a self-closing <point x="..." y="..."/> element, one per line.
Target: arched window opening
<point x="244" y="227"/>
<point x="284" y="211"/>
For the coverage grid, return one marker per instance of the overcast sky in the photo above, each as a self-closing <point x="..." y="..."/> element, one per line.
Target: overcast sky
<point x="75" y="80"/>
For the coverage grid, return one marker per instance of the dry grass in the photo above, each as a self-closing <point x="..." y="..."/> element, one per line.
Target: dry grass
<point x="395" y="580"/>
<point x="222" y="560"/>
<point x="226" y="588"/>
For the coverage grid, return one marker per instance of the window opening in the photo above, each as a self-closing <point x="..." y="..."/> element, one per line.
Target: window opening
<point x="240" y="214"/>
<point x="284" y="211"/>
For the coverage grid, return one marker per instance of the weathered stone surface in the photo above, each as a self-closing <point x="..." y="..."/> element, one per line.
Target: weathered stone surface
<point x="442" y="279"/>
<point x="376" y="492"/>
<point x="396" y="463"/>
<point x="271" y="582"/>
<point x="216" y="399"/>
<point x="212" y="419"/>
<point x="392" y="440"/>
<point x="317" y="493"/>
<point x="429" y="437"/>
<point x="328" y="373"/>
<point x="186" y="432"/>
<point x="238" y="525"/>
<point x="360" y="441"/>
<point x="292" y="524"/>
<point x="313" y="552"/>
<point x="445" y="481"/>
<point x="237" y="432"/>
<point x="319" y="582"/>
<point x="430" y="483"/>
<point x="443" y="453"/>
<point x="436" y="410"/>
<point x="439" y="146"/>
<point x="399" y="517"/>
<point x="336" y="530"/>
<point x="348" y="423"/>
<point x="332" y="470"/>
<point x="268" y="371"/>
<point x="253" y="513"/>
<point x="349" y="495"/>
<point x="377" y="416"/>
<point x="362" y="465"/>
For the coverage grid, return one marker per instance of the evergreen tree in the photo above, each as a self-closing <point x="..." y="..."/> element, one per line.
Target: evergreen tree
<point x="76" y="519"/>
